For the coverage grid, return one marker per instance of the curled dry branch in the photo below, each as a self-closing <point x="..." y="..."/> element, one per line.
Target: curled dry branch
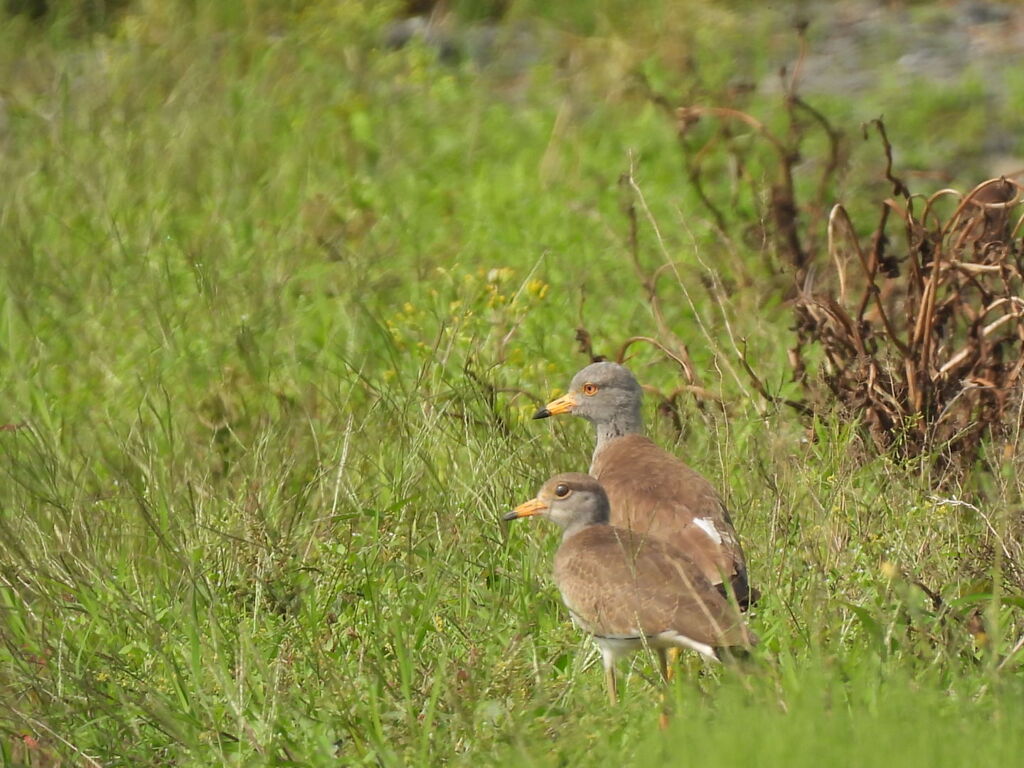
<point x="919" y="326"/>
<point x="931" y="356"/>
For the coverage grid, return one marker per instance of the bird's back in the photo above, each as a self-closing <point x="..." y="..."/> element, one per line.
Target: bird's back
<point x="653" y="493"/>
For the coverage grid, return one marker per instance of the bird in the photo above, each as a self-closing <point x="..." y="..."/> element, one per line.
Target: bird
<point x="630" y="591"/>
<point x="652" y="492"/>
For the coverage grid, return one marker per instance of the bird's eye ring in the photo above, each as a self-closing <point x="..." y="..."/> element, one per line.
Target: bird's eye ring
<point x="561" y="490"/>
<point x="589" y="389"/>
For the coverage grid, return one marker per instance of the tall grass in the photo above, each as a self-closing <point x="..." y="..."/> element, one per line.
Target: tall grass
<point x="276" y="305"/>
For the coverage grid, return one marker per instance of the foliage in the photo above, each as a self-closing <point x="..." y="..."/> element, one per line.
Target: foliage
<point x="276" y="305"/>
<point x="923" y="346"/>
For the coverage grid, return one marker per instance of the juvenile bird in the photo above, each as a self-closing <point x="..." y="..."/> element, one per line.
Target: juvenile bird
<point x="629" y="591"/>
<point x="651" y="491"/>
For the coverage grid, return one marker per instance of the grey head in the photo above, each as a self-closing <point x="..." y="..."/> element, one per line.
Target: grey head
<point x="606" y="394"/>
<point x="571" y="499"/>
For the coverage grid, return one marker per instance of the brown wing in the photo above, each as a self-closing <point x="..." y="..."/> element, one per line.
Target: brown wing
<point x="619" y="584"/>
<point x="654" y="493"/>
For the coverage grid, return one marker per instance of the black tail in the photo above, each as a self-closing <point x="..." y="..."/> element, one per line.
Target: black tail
<point x="734" y="655"/>
<point x="746" y="595"/>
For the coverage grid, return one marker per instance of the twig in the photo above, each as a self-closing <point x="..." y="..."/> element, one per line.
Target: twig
<point x="802" y="408"/>
<point x="92" y="761"/>
<point x="898" y="187"/>
<point x="1013" y="652"/>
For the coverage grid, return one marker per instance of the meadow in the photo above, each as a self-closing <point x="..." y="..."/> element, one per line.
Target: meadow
<point x="277" y="302"/>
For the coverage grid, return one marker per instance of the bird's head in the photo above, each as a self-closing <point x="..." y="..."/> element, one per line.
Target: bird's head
<point x="570" y="499"/>
<point x="602" y="393"/>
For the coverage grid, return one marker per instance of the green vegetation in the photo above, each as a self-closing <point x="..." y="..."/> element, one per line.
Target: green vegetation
<point x="276" y="304"/>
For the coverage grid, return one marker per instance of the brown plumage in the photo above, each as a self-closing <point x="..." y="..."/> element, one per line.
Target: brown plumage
<point x="651" y="491"/>
<point x="672" y="502"/>
<point x="621" y="585"/>
<point x="629" y="590"/>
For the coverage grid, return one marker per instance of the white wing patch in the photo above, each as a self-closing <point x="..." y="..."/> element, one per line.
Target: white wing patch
<point x="666" y="639"/>
<point x="707" y="525"/>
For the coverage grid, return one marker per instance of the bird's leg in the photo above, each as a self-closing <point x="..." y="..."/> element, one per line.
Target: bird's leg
<point x="663" y="721"/>
<point x="613" y="686"/>
<point x="664" y="669"/>
<point x="663" y="664"/>
<point x="670" y="659"/>
<point x="609" y="676"/>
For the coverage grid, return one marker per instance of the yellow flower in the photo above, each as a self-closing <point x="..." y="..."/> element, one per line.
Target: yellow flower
<point x="499" y="275"/>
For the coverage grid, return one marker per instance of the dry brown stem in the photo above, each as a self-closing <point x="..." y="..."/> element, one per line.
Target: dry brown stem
<point x="919" y="325"/>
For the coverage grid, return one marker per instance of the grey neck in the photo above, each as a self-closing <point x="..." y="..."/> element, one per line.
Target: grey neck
<point x="628" y="423"/>
<point x="597" y="514"/>
<point x="581" y="525"/>
<point x="573" y="529"/>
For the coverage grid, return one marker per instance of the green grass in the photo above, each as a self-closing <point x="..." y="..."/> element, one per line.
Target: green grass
<point x="275" y="308"/>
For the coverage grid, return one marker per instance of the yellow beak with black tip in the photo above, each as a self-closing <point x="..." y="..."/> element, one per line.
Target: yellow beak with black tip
<point x="527" y="509"/>
<point x="564" y="404"/>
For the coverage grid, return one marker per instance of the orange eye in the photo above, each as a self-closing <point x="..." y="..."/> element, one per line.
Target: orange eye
<point x="590" y="389"/>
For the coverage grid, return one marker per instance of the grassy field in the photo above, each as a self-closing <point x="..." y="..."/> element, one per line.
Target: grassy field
<point x="276" y="304"/>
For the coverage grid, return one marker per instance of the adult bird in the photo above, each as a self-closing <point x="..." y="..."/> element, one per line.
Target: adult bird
<point x="627" y="590"/>
<point x="651" y="491"/>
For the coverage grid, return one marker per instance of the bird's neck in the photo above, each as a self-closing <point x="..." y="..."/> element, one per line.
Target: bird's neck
<point x="572" y="530"/>
<point x="628" y="423"/>
<point x="597" y="513"/>
<point x="581" y="525"/>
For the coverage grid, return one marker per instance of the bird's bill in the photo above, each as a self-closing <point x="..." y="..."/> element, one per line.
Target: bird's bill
<point x="564" y="404"/>
<point x="527" y="509"/>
